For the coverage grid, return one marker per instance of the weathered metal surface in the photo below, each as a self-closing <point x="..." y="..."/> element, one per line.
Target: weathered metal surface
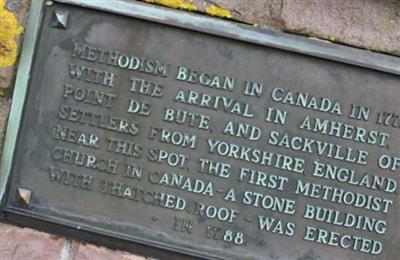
<point x="206" y="145"/>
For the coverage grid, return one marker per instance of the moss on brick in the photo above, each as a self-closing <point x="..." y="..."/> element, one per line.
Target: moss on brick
<point x="9" y="29"/>
<point x="177" y="4"/>
<point x="218" y="11"/>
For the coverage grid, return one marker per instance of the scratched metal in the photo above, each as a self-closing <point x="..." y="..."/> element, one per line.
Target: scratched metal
<point x="31" y="193"/>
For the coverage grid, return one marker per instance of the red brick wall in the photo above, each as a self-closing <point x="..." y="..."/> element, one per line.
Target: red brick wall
<point x="24" y="243"/>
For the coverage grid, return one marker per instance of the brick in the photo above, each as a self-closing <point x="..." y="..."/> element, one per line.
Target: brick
<point x="368" y="24"/>
<point x="88" y="252"/>
<point x="23" y="243"/>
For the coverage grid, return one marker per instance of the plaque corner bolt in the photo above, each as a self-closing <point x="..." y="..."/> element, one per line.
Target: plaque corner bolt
<point x="60" y="19"/>
<point x="24" y="196"/>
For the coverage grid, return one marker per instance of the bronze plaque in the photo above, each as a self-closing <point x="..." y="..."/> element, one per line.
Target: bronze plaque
<point x="153" y="132"/>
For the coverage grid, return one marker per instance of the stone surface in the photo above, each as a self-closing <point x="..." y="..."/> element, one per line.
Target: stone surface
<point x="21" y="244"/>
<point x="4" y="110"/>
<point x="88" y="252"/>
<point x="24" y="243"/>
<point x="369" y="24"/>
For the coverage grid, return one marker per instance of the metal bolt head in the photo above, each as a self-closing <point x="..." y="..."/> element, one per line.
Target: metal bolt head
<point x="24" y="196"/>
<point x="60" y="19"/>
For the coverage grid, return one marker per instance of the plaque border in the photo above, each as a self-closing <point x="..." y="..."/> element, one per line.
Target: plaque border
<point x="19" y="94"/>
<point x="181" y="19"/>
<point x="239" y="31"/>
